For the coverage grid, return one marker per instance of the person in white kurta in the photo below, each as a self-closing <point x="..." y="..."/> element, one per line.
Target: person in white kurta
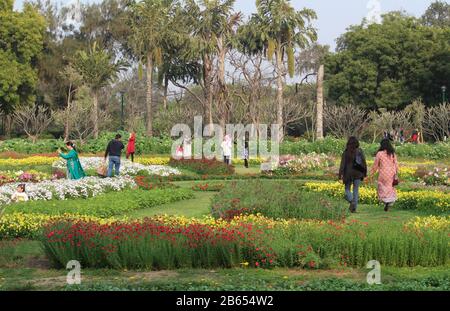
<point x="226" y="149"/>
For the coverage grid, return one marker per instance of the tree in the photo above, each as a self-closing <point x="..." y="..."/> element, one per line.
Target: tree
<point x="149" y="21"/>
<point x="389" y="65"/>
<point x="437" y="122"/>
<point x="278" y="29"/>
<point x="21" y="37"/>
<point x="345" y="121"/>
<point x="210" y="24"/>
<point x="97" y="68"/>
<point x="437" y="14"/>
<point x="320" y="104"/>
<point x="34" y="120"/>
<point x="75" y="81"/>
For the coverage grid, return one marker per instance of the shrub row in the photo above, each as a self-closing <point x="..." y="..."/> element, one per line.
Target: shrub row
<point x="156" y="145"/>
<point x="112" y="204"/>
<point x="203" y="167"/>
<point x="256" y="242"/>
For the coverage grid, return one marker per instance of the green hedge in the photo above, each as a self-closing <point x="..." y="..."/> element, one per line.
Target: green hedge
<point x="104" y="206"/>
<point x="157" y="145"/>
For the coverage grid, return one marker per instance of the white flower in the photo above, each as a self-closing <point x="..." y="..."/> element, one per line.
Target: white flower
<point x="126" y="167"/>
<point x="63" y="188"/>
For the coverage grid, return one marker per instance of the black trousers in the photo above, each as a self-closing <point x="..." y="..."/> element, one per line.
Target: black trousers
<point x="246" y="163"/>
<point x="226" y="160"/>
<point x="132" y="156"/>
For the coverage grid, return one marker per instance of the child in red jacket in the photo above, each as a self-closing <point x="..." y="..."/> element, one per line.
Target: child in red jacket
<point x="131" y="147"/>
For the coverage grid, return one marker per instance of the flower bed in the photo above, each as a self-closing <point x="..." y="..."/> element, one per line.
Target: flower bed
<point x="111" y="204"/>
<point x="29" y="226"/>
<point x="63" y="189"/>
<point x="255" y="241"/>
<point x="274" y="199"/>
<point x="213" y="187"/>
<point x="295" y="165"/>
<point x="428" y="200"/>
<point x="203" y="167"/>
<point x="27" y="176"/>
<point x="30" y="161"/>
<point x="126" y="168"/>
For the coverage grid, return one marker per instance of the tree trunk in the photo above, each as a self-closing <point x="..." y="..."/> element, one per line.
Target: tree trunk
<point x="67" y="121"/>
<point x="222" y="102"/>
<point x="279" y="72"/>
<point x="149" y="103"/>
<point x="319" y="108"/>
<point x="207" y="72"/>
<point x="166" y="87"/>
<point x="95" y="113"/>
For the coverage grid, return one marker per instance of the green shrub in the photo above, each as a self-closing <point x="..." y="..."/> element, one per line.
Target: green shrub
<point x="203" y="167"/>
<point x="111" y="204"/>
<point x="275" y="200"/>
<point x="163" y="244"/>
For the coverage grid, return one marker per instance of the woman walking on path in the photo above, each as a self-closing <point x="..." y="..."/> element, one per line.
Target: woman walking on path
<point x="74" y="169"/>
<point x="352" y="171"/>
<point x="386" y="165"/>
<point x="131" y="146"/>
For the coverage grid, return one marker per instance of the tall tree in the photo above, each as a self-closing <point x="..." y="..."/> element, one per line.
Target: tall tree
<point x="437" y="14"/>
<point x="281" y="29"/>
<point x="210" y="23"/>
<point x="389" y="65"/>
<point x="21" y="37"/>
<point x="97" y="68"/>
<point x="149" y="21"/>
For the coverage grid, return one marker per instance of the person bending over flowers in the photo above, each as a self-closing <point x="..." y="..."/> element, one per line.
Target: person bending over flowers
<point x="74" y="169"/>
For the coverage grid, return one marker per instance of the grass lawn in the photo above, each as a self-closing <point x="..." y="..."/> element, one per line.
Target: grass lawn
<point x="197" y="207"/>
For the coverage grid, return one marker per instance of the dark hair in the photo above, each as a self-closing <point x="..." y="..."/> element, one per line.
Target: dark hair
<point x="352" y="146"/>
<point x="22" y="186"/>
<point x="387" y="146"/>
<point x="71" y="144"/>
<point x="118" y="136"/>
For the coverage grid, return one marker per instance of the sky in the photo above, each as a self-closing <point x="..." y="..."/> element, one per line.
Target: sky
<point x="334" y="16"/>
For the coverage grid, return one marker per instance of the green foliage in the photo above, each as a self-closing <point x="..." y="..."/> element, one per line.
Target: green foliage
<point x="389" y="65"/>
<point x="21" y="39"/>
<point x="203" y="167"/>
<point x="111" y="204"/>
<point x="275" y="200"/>
<point x="97" y="67"/>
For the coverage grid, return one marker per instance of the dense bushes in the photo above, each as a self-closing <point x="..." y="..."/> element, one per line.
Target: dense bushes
<point x="155" y="145"/>
<point x="203" y="167"/>
<point x="115" y="203"/>
<point x="275" y="200"/>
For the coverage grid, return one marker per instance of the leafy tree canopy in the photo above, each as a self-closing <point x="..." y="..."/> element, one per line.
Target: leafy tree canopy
<point x="389" y="65"/>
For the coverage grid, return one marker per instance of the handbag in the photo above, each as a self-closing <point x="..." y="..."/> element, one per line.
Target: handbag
<point x="102" y="170"/>
<point x="396" y="181"/>
<point x="358" y="163"/>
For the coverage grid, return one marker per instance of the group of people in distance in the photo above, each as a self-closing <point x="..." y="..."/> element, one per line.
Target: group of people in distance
<point x="353" y="170"/>
<point x="113" y="152"/>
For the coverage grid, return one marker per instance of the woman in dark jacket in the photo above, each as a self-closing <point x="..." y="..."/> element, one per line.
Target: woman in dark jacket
<point x="352" y="171"/>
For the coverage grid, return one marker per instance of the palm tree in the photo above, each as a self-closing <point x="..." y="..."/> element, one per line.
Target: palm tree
<point x="278" y="29"/>
<point x="97" y="69"/>
<point x="210" y="23"/>
<point x="149" y="21"/>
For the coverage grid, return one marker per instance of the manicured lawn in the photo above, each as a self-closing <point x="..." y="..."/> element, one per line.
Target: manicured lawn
<point x="197" y="207"/>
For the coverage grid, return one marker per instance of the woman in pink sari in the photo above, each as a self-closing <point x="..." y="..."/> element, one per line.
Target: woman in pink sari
<point x="387" y="166"/>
